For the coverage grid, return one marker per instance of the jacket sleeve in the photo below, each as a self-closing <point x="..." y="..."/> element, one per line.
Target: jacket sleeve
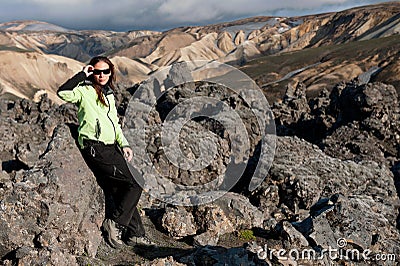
<point x="122" y="141"/>
<point x="67" y="92"/>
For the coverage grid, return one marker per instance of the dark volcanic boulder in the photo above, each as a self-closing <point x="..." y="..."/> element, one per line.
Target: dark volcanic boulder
<point x="51" y="206"/>
<point x="53" y="211"/>
<point x="367" y="123"/>
<point x="320" y="202"/>
<point x="355" y="121"/>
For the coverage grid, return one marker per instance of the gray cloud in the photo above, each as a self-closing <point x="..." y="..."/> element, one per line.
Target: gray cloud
<point x="122" y="15"/>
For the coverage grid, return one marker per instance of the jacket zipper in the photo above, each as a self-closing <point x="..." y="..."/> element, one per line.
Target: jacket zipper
<point x="108" y="115"/>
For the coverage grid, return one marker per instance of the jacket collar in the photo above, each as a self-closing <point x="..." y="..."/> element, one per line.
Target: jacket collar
<point x="107" y="90"/>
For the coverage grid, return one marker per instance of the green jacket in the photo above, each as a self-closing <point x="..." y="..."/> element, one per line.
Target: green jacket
<point x="96" y="121"/>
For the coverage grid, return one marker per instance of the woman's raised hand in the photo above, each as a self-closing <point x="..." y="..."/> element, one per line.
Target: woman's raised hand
<point x="88" y="70"/>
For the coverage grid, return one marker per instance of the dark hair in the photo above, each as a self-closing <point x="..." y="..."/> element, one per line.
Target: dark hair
<point x="110" y="82"/>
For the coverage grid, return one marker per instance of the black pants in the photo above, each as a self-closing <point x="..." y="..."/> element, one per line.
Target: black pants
<point x="114" y="177"/>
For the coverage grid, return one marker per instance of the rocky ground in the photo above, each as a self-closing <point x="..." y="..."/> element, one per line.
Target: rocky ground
<point x="333" y="184"/>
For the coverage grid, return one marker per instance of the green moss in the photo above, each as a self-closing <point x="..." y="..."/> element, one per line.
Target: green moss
<point x="246" y="235"/>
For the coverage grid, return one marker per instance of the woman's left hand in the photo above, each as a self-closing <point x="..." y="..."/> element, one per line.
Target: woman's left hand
<point x="128" y="153"/>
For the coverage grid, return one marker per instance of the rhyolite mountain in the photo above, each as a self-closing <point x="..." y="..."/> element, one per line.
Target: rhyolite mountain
<point x="319" y="50"/>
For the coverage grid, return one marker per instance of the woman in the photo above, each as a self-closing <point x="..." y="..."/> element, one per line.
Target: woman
<point x="105" y="148"/>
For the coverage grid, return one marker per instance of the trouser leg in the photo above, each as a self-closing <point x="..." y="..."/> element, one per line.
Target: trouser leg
<point x="113" y="175"/>
<point x="126" y="213"/>
<point x="135" y="227"/>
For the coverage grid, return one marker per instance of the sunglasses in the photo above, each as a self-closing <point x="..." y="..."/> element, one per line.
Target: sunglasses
<point x="99" y="71"/>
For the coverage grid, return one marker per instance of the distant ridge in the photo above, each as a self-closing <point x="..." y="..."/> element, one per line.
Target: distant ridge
<point x="31" y="25"/>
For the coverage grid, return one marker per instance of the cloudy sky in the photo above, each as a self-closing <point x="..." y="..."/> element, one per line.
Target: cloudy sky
<point x="124" y="15"/>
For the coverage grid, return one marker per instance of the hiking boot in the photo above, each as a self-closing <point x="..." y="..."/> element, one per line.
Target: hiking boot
<point x="140" y="241"/>
<point x="112" y="233"/>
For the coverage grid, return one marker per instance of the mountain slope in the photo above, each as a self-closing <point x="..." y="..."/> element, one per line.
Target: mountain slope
<point x="50" y="39"/>
<point x="33" y="74"/>
<point x="325" y="66"/>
